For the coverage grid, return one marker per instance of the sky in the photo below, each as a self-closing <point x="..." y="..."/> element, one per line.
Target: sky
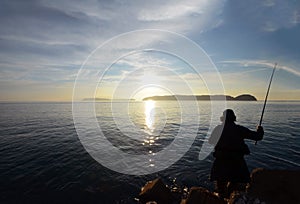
<point x="47" y="47"/>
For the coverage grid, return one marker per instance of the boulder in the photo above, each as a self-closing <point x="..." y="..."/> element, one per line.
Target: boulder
<point x="238" y="197"/>
<point x="156" y="191"/>
<point x="199" y="195"/>
<point x="275" y="186"/>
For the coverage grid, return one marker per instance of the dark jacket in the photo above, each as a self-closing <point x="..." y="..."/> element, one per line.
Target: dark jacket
<point x="229" y="164"/>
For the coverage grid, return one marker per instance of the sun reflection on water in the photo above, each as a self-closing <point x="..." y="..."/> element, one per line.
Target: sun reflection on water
<point x="150" y="115"/>
<point x="149" y="107"/>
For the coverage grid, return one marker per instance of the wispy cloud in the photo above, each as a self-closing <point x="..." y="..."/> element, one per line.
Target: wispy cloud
<point x="262" y="63"/>
<point x="67" y="31"/>
<point x="47" y="41"/>
<point x="277" y="14"/>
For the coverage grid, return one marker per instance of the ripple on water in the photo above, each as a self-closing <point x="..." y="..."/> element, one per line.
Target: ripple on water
<point x="41" y="155"/>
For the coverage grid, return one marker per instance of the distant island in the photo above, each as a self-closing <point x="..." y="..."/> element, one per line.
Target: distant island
<point x="107" y="99"/>
<point x="243" y="97"/>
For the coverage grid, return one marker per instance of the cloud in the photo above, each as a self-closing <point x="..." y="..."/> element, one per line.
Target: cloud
<point x="262" y="63"/>
<point x="49" y="40"/>
<point x="179" y="10"/>
<point x="67" y="31"/>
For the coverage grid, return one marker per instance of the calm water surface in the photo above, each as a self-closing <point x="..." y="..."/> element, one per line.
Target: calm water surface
<point x="42" y="159"/>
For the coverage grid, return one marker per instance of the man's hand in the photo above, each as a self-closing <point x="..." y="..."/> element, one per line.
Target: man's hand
<point x="259" y="129"/>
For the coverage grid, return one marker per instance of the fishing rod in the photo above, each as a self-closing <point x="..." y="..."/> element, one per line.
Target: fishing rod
<point x="263" y="110"/>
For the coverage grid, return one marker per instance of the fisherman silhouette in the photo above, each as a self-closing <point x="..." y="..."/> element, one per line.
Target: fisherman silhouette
<point x="229" y="169"/>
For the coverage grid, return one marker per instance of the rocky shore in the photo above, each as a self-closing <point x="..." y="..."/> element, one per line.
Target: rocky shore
<point x="266" y="187"/>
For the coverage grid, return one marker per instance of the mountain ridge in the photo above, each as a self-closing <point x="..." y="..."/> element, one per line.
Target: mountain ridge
<point x="242" y="97"/>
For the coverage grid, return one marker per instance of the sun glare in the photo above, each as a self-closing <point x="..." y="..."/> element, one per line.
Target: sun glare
<point x="151" y="90"/>
<point x="150" y="114"/>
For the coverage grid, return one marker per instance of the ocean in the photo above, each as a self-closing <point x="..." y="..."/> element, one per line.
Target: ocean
<point x="42" y="159"/>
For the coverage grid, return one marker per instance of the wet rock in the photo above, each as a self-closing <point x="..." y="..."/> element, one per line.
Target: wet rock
<point x="156" y="192"/>
<point x="266" y="187"/>
<point x="275" y="186"/>
<point x="243" y="198"/>
<point x="199" y="195"/>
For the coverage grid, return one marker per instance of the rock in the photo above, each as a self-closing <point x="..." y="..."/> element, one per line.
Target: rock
<point x="275" y="186"/>
<point x="242" y="198"/>
<point x="266" y="186"/>
<point x="199" y="195"/>
<point x="156" y="191"/>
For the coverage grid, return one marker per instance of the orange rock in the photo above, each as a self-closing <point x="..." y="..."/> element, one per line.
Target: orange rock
<point x="156" y="191"/>
<point x="199" y="195"/>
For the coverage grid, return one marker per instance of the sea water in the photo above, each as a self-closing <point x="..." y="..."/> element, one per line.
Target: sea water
<point x="42" y="158"/>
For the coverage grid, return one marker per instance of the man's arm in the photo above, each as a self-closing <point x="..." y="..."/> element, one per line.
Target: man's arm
<point x="254" y="135"/>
